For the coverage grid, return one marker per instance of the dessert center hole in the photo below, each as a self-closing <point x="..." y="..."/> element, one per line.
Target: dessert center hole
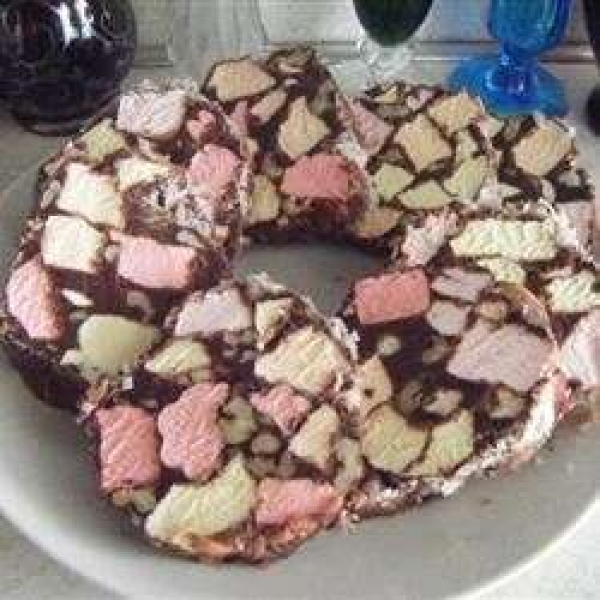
<point x="324" y="272"/>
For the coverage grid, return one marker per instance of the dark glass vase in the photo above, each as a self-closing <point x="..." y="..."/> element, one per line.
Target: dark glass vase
<point x="61" y="61"/>
<point x="514" y="83"/>
<point x="388" y="26"/>
<point x="592" y="13"/>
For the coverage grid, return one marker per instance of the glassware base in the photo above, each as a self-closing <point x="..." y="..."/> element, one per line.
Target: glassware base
<point x="50" y="128"/>
<point x="593" y="111"/>
<point x="387" y="63"/>
<point x="65" y="126"/>
<point x="545" y="94"/>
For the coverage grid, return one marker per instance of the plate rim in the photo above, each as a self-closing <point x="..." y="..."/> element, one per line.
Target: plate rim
<point x="66" y="559"/>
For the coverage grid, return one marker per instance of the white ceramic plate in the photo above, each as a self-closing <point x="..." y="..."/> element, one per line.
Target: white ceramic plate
<point x="444" y="549"/>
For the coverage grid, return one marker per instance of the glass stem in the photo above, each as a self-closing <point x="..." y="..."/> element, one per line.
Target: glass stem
<point x="384" y="63"/>
<point x="370" y="56"/>
<point x="514" y="74"/>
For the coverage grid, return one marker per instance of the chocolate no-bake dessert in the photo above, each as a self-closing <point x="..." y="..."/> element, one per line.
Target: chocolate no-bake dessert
<point x="425" y="151"/>
<point x="130" y="217"/>
<point x="460" y="376"/>
<point x="229" y="417"/>
<point x="287" y="107"/>
<point x="506" y="198"/>
<point x="225" y="440"/>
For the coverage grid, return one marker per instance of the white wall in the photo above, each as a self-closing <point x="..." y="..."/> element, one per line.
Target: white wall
<point x="153" y="21"/>
<point x="331" y="20"/>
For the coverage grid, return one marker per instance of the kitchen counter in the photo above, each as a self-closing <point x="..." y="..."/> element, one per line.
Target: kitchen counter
<point x="569" y="570"/>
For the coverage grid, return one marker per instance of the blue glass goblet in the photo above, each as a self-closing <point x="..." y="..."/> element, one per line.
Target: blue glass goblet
<point x="514" y="83"/>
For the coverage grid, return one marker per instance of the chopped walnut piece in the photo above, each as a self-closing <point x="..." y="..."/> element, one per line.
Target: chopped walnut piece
<point x="238" y="423"/>
<point x="264" y="110"/>
<point x="265" y="443"/>
<point x="270" y="317"/>
<point x="388" y="345"/>
<point x="352" y="466"/>
<point x="444" y="402"/>
<point x="265" y="202"/>
<point x="409" y="398"/>
<point x="376" y="223"/>
<point x="505" y="404"/>
<point x="371" y="387"/>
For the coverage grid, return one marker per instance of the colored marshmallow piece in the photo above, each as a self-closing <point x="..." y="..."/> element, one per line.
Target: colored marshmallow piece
<point x="322" y="176"/>
<point x="33" y="301"/>
<point x="152" y="265"/>
<point x="285" y="502"/>
<point x="128" y="448"/>
<point x="392" y="297"/>
<point x="192" y="439"/>
<point x="214" y="168"/>
<point x="283" y="405"/>
<point x="203" y="127"/>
